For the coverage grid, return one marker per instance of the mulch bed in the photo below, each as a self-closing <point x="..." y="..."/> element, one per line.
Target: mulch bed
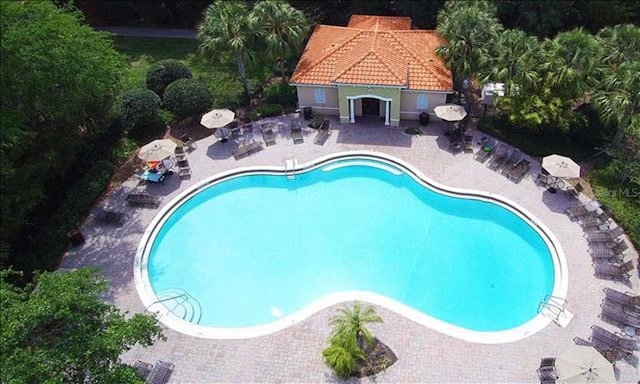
<point x="192" y="128"/>
<point x="379" y="358"/>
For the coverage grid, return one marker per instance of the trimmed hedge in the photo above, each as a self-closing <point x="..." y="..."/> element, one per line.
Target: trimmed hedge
<point x="139" y="106"/>
<point x="187" y="97"/>
<point x="161" y="74"/>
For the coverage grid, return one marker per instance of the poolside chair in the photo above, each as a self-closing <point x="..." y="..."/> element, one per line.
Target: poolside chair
<point x="543" y="179"/>
<point x="296" y="131"/>
<point x="623" y="298"/>
<point x="184" y="169"/>
<point x="547" y="370"/>
<point x="590" y="223"/>
<point x="180" y="154"/>
<point x="143" y="200"/>
<point x="484" y="153"/>
<point x="605" y="236"/>
<point x="324" y="131"/>
<point x="104" y="216"/>
<point x="616" y="315"/>
<point x="510" y="162"/>
<point x="606" y="252"/>
<point x="268" y="135"/>
<point x="236" y="132"/>
<point x="246" y="149"/>
<point x="614" y="339"/>
<point x="188" y="143"/>
<point x="590" y="209"/>
<point x="143" y="368"/>
<point x="498" y="158"/>
<point x="467" y="142"/>
<point x="574" y="191"/>
<point x="519" y="171"/>
<point x="610" y="271"/>
<point x="160" y="373"/>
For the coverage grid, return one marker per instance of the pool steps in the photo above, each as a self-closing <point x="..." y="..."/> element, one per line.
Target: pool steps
<point x="555" y="309"/>
<point x="180" y="303"/>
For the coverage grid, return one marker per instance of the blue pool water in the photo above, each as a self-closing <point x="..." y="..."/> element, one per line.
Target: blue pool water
<point x="255" y="248"/>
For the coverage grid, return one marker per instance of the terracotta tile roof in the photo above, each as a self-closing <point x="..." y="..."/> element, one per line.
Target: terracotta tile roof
<point x="375" y="55"/>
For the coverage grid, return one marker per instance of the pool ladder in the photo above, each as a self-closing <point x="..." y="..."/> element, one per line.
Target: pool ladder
<point x="180" y="303"/>
<point x="555" y="309"/>
<point x="290" y="168"/>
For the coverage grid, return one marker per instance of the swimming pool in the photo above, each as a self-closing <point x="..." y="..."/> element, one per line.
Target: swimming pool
<point x="256" y="250"/>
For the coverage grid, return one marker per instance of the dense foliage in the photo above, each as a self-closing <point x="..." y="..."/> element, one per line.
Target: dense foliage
<point x="186" y="98"/>
<point x="165" y="72"/>
<point x="59" y="81"/>
<point x="349" y="338"/>
<point x="139" y="106"/>
<point x="58" y="330"/>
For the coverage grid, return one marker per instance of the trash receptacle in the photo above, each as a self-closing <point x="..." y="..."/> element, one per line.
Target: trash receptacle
<point x="76" y="237"/>
<point x="306" y="113"/>
<point x="424" y="119"/>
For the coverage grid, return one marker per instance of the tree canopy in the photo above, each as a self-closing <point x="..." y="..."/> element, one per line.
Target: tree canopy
<point x="59" y="81"/>
<point x="58" y="330"/>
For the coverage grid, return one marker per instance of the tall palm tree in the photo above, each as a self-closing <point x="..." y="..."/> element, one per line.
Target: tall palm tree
<point x="514" y="60"/>
<point x="572" y="63"/>
<point x="226" y="28"/>
<point x="468" y="33"/>
<point x="281" y="27"/>
<point x="350" y="324"/>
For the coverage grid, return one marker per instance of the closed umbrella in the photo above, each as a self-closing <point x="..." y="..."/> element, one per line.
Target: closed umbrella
<point x="450" y="112"/>
<point x="583" y="364"/>
<point x="561" y="166"/>
<point x="157" y="150"/>
<point x="217" y="118"/>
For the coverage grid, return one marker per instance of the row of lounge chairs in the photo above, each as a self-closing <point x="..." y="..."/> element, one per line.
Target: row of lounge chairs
<point x="509" y="163"/>
<point x="143" y="199"/>
<point x="459" y="141"/>
<point x="184" y="168"/>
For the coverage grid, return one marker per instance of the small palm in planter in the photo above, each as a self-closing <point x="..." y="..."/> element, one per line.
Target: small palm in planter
<point x="353" y="350"/>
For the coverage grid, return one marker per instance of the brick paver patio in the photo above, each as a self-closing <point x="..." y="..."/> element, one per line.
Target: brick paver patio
<point x="294" y="354"/>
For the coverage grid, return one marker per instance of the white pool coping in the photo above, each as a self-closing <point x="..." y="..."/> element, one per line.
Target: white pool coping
<point x="149" y="298"/>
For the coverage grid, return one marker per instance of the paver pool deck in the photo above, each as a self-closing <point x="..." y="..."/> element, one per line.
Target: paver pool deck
<point x="294" y="354"/>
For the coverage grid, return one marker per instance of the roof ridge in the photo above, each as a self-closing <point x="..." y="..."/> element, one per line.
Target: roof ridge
<point x="331" y="52"/>
<point x="408" y="50"/>
<point x="353" y="65"/>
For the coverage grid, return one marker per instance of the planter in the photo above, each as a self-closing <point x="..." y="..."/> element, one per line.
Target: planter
<point x="424" y="119"/>
<point x="306" y="113"/>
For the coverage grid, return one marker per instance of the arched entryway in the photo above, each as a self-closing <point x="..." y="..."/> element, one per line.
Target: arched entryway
<point x="372" y="105"/>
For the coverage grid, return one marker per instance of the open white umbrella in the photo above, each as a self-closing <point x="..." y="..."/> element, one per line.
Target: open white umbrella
<point x="157" y="150"/>
<point x="583" y="364"/>
<point x="217" y="118"/>
<point x="561" y="166"/>
<point x="450" y="112"/>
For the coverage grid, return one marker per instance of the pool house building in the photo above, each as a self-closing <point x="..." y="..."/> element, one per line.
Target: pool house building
<point x="375" y="66"/>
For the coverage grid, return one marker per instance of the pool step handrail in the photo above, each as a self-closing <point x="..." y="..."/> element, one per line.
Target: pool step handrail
<point x="191" y="309"/>
<point x="555" y="308"/>
<point x="290" y="168"/>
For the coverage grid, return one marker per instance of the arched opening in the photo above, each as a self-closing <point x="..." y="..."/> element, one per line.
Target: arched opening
<point x="369" y="105"/>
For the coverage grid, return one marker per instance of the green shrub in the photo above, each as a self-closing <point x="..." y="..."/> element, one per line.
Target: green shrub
<point x="165" y="72"/>
<point x="279" y="93"/>
<point x="622" y="198"/>
<point x="268" y="110"/>
<point x="225" y="89"/>
<point x="413" y="131"/>
<point x="152" y="129"/>
<point x="139" y="106"/>
<point x="316" y="121"/>
<point x="186" y="97"/>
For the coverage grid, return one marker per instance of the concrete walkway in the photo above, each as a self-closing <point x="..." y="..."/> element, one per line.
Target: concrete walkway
<point x="294" y="355"/>
<point x="168" y="33"/>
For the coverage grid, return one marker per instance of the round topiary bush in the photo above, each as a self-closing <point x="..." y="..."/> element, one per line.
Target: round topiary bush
<point x="139" y="106"/>
<point x="165" y="72"/>
<point x="186" y="97"/>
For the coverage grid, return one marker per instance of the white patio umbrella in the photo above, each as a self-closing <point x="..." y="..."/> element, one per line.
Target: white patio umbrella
<point x="450" y="112"/>
<point x="583" y="364"/>
<point x="157" y="150"/>
<point x="561" y="166"/>
<point x="217" y="118"/>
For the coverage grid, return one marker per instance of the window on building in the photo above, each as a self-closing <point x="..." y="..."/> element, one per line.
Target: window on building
<point x="422" y="101"/>
<point x="320" y="96"/>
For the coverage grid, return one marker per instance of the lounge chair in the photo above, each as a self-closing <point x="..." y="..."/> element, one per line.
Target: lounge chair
<point x="543" y="179"/>
<point x="614" y="339"/>
<point x="104" y="216"/>
<point x="188" y="143"/>
<point x="143" y="368"/>
<point x="617" y="316"/>
<point x="484" y="152"/>
<point x="324" y="131"/>
<point x="623" y="298"/>
<point x="511" y="162"/>
<point x="615" y="250"/>
<point x="519" y="171"/>
<point x="246" y="150"/>
<point x="160" y="373"/>
<point x="547" y="370"/>
<point x="610" y="271"/>
<point x="605" y="236"/>
<point x="575" y="191"/>
<point x="594" y="222"/>
<point x="579" y="212"/>
<point x="296" y="131"/>
<point x="143" y="200"/>
<point x="268" y="135"/>
<point x="180" y="154"/>
<point x="467" y="141"/>
<point x="498" y="158"/>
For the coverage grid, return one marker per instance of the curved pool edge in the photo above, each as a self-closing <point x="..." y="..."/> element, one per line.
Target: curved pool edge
<point x="148" y="297"/>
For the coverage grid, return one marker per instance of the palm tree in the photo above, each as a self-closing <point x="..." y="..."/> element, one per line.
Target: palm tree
<point x="350" y="325"/>
<point x="343" y="356"/>
<point x="621" y="43"/>
<point x="227" y="28"/>
<point x="571" y="63"/>
<point x="514" y="60"/>
<point x="468" y="32"/>
<point x="282" y="27"/>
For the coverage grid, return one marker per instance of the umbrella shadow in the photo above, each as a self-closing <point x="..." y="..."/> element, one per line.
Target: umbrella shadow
<point x="170" y="184"/>
<point x="220" y="150"/>
<point x="557" y="202"/>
